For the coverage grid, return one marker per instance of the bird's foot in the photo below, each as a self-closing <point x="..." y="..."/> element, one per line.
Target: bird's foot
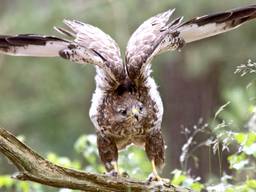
<point x="112" y="173"/>
<point x="153" y="177"/>
<point x="115" y="172"/>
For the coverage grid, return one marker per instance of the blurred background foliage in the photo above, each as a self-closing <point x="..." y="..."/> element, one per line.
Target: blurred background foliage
<point x="47" y="100"/>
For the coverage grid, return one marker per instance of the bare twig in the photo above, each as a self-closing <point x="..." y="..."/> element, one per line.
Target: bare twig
<point x="33" y="167"/>
<point x="244" y="69"/>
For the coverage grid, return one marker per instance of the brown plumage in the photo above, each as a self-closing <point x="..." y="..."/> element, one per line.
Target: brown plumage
<point x="126" y="106"/>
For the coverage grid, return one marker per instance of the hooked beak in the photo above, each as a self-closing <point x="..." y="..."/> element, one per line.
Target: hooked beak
<point x="135" y="113"/>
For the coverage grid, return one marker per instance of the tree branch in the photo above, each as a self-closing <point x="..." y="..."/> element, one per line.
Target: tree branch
<point x="33" y="167"/>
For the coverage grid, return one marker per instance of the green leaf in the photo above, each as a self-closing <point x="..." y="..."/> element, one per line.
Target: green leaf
<point x="230" y="189"/>
<point x="63" y="161"/>
<point x="251" y="183"/>
<point x="238" y="161"/>
<point x="196" y="186"/>
<point x="24" y="186"/>
<point x="240" y="137"/>
<point x="6" y="181"/>
<point x="245" y="139"/>
<point x="178" y="178"/>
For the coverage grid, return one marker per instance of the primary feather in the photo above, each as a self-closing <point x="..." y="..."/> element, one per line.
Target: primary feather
<point x="90" y="45"/>
<point x="31" y="45"/>
<point x="157" y="35"/>
<point x="210" y="25"/>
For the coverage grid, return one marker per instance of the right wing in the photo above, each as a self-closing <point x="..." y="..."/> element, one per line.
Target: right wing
<point x="90" y="45"/>
<point x="152" y="37"/>
<point x="157" y="35"/>
<point x="214" y="24"/>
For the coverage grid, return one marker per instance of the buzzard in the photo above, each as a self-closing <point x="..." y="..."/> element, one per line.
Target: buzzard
<point x="126" y="107"/>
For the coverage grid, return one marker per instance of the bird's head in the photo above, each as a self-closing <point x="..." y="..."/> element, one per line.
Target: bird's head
<point x="127" y="108"/>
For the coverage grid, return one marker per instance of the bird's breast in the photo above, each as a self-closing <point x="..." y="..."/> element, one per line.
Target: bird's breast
<point x="127" y="130"/>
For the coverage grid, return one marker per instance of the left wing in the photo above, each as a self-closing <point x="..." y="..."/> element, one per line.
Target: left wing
<point x="32" y="45"/>
<point x="157" y="35"/>
<point x="90" y="45"/>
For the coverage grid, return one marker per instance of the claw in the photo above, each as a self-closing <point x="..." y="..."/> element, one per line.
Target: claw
<point x="115" y="171"/>
<point x="152" y="178"/>
<point x="112" y="173"/>
<point x="154" y="175"/>
<point x="115" y="165"/>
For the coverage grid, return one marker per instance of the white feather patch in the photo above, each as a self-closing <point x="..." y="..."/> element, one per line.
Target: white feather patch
<point x="97" y="100"/>
<point x="155" y="96"/>
<point x="193" y="32"/>
<point x="50" y="49"/>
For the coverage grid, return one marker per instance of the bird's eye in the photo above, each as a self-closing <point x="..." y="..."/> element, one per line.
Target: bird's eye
<point x="123" y="112"/>
<point x="140" y="107"/>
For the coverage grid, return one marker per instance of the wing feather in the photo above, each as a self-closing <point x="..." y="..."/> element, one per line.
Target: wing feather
<point x="156" y="35"/>
<point x="210" y="25"/>
<point x="90" y="45"/>
<point x="94" y="39"/>
<point x="102" y="45"/>
<point x="31" y="45"/>
<point x="144" y="41"/>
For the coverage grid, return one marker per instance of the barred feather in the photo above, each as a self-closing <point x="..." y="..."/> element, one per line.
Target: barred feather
<point x="210" y="25"/>
<point x="156" y="35"/>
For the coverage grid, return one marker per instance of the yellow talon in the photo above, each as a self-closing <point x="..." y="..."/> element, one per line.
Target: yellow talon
<point x="156" y="177"/>
<point x="115" y="165"/>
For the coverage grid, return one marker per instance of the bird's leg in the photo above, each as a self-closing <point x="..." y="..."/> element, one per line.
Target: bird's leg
<point x="115" y="165"/>
<point x="154" y="171"/>
<point x="108" y="153"/>
<point x="154" y="147"/>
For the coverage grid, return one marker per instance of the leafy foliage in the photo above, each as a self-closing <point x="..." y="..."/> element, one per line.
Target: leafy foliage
<point x="242" y="162"/>
<point x="223" y="131"/>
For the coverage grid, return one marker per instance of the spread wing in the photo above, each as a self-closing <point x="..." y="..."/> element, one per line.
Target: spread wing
<point x="210" y="25"/>
<point x="32" y="45"/>
<point x="144" y="42"/>
<point x="90" y="45"/>
<point x="157" y="35"/>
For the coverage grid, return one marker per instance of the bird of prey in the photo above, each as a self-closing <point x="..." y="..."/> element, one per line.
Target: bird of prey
<point x="126" y="106"/>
